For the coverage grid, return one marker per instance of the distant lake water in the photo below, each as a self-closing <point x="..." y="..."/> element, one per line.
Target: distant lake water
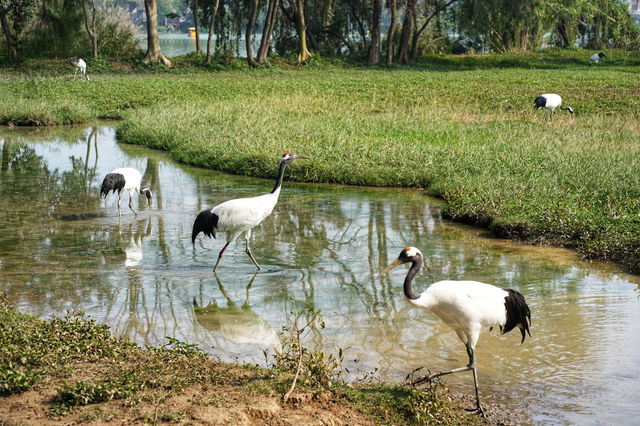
<point x="177" y="44"/>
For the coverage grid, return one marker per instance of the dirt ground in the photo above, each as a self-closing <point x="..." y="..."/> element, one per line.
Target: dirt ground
<point x="222" y="405"/>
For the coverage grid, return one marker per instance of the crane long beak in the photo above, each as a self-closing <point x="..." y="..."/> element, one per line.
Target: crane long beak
<point x="395" y="263"/>
<point x="300" y="156"/>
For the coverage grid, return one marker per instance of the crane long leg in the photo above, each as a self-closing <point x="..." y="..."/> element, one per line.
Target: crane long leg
<point x="219" y="256"/>
<point x="130" y="206"/>
<point x="119" y="206"/>
<point x="471" y="366"/>
<point x="251" y="254"/>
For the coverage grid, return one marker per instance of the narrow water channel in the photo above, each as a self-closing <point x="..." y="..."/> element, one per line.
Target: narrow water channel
<point x="64" y="248"/>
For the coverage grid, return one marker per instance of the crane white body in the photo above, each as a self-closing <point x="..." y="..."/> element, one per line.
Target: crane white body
<point x="467" y="307"/>
<point x="80" y="66"/>
<point x="124" y="179"/>
<point x="595" y="58"/>
<point x="550" y="101"/>
<point x="240" y="216"/>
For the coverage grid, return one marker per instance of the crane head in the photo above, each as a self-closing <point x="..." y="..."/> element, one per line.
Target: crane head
<point x="410" y="254"/>
<point x="539" y="102"/>
<point x="288" y="157"/>
<point x="602" y="55"/>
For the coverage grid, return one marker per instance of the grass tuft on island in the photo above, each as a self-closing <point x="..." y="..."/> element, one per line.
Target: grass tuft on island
<point x="462" y="127"/>
<point x="71" y="370"/>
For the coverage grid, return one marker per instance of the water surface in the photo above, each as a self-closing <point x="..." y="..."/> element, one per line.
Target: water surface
<point x="64" y="248"/>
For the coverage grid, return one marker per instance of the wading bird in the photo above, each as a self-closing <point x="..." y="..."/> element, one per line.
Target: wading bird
<point x="127" y="179"/>
<point x="595" y="58"/>
<point x="467" y="307"/>
<point x="551" y="101"/>
<point x="239" y="216"/>
<point x="80" y="66"/>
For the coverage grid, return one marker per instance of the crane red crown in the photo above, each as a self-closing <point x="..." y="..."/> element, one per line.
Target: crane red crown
<point x="286" y="153"/>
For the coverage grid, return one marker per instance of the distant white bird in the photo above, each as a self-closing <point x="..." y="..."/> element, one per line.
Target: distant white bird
<point x="80" y="66"/>
<point x="467" y="307"/>
<point x="127" y="179"/>
<point x="595" y="58"/>
<point x="239" y="216"/>
<point x="551" y="101"/>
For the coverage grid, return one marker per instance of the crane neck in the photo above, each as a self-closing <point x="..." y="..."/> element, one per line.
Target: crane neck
<point x="276" y="188"/>
<point x="416" y="264"/>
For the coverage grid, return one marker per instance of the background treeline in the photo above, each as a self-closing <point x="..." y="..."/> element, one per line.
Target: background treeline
<point x="375" y="31"/>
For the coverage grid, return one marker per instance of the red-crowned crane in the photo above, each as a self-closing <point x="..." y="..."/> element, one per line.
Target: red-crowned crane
<point x="80" y="66"/>
<point x="127" y="179"/>
<point x="551" y="101"/>
<point x="595" y="58"/>
<point x="239" y="216"/>
<point x="467" y="307"/>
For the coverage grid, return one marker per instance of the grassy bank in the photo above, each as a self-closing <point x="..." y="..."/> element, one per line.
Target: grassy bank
<point x="462" y="127"/>
<point x="71" y="370"/>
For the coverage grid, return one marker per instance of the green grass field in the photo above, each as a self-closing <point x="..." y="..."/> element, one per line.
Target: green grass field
<point x="463" y="127"/>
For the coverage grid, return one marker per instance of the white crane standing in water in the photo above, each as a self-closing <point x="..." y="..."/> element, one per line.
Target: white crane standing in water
<point x="127" y="179"/>
<point x="467" y="307"/>
<point x="239" y="216"/>
<point x="551" y="101"/>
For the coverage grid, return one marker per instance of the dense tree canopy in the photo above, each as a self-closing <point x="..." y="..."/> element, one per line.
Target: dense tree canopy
<point x="327" y="27"/>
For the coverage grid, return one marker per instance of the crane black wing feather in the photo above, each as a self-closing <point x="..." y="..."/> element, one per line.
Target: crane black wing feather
<point x="112" y="182"/>
<point x="518" y="313"/>
<point x="206" y="222"/>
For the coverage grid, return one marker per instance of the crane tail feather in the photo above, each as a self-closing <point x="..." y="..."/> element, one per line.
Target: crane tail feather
<point x="518" y="313"/>
<point x="206" y="222"/>
<point x="112" y="182"/>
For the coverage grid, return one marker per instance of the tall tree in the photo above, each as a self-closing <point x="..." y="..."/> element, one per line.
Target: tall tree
<point x="267" y="30"/>
<point x="249" y="32"/>
<point x="91" y="30"/>
<point x="214" y="11"/>
<point x="405" y="34"/>
<point x="374" y="46"/>
<point x="154" y="54"/>
<point x="14" y="17"/>
<point x="197" y="25"/>
<point x="391" y="32"/>
<point x="296" y="14"/>
<point x="432" y="9"/>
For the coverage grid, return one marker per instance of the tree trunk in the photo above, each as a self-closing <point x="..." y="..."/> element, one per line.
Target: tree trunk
<point x="213" y="18"/>
<point x="417" y="33"/>
<point x="390" y="34"/>
<point x="269" y="23"/>
<point x="414" y="38"/>
<point x="91" y="30"/>
<point x="405" y="35"/>
<point x="154" y="54"/>
<point x="12" y="45"/>
<point x="197" y="25"/>
<point x="297" y="16"/>
<point x="374" y="47"/>
<point x="248" y="33"/>
<point x="363" y="32"/>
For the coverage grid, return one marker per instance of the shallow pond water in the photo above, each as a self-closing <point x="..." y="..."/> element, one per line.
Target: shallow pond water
<point x="63" y="248"/>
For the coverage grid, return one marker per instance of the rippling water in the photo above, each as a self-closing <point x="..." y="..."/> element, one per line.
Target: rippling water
<point x="62" y="247"/>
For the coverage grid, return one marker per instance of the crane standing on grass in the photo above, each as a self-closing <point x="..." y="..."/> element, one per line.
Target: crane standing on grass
<point x="467" y="307"/>
<point x="127" y="179"/>
<point x="239" y="216"/>
<point x="551" y="101"/>
<point x="80" y="66"/>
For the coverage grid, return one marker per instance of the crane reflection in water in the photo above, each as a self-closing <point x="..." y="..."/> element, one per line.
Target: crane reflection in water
<point x="238" y="323"/>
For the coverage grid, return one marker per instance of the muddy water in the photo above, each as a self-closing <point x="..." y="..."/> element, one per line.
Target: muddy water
<point x="63" y="248"/>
